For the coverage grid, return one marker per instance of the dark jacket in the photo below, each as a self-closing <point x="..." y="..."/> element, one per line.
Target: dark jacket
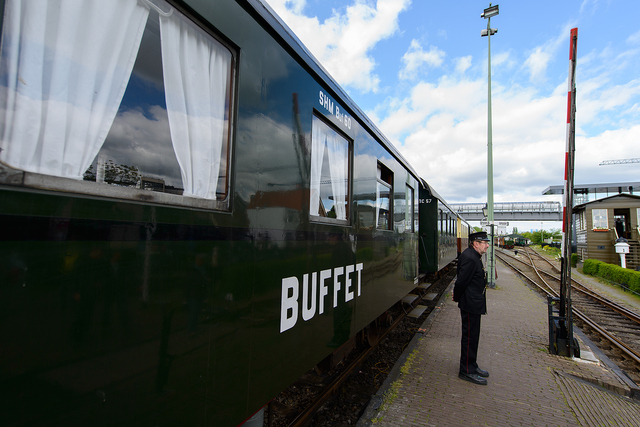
<point x="469" y="290"/>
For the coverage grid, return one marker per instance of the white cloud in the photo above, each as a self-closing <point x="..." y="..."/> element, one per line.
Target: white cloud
<point x="634" y="38"/>
<point x="538" y="60"/>
<point x="440" y="124"/>
<point x="609" y="145"/>
<point x="463" y="64"/>
<point x="342" y="43"/>
<point x="537" y="64"/>
<point x="415" y="58"/>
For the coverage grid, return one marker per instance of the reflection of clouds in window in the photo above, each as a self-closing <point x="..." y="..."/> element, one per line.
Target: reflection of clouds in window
<point x="142" y="139"/>
<point x="61" y="99"/>
<point x="88" y="85"/>
<point x="329" y="172"/>
<point x="384" y="192"/>
<point x="149" y="62"/>
<point x="382" y="206"/>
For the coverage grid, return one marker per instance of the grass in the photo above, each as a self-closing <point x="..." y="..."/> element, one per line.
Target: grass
<point x="392" y="393"/>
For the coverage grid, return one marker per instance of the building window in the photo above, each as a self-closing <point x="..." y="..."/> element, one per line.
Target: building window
<point x="581" y="221"/>
<point x="384" y="196"/>
<point x="329" y="187"/>
<point x="126" y="93"/>
<point x="600" y="220"/>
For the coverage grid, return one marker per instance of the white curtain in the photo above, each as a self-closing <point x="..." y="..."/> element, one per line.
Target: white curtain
<point x="337" y="148"/>
<point x="65" y="67"/>
<point x="196" y="80"/>
<point x="318" y="137"/>
<point x="338" y="155"/>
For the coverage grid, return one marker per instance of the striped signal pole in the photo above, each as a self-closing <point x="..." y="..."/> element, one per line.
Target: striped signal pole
<point x="565" y="285"/>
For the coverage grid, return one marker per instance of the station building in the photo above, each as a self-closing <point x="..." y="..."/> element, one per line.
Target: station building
<point x="601" y="214"/>
<point x="598" y="224"/>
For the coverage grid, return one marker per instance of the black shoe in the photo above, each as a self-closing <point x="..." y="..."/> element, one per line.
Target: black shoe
<point x="474" y="378"/>
<point x="482" y="373"/>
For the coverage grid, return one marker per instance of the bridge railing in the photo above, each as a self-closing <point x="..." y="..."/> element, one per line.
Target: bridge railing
<point x="532" y="210"/>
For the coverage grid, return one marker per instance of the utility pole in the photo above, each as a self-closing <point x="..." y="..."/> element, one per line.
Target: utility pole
<point x="491" y="255"/>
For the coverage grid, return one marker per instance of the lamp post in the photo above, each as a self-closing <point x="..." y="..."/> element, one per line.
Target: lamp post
<point x="487" y="14"/>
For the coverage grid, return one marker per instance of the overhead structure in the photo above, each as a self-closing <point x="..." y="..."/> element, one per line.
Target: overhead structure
<point x="589" y="192"/>
<point x="511" y="211"/>
<point x="619" y="162"/>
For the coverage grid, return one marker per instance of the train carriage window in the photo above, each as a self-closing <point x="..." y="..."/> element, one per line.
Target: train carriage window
<point x="126" y="93"/>
<point x="384" y="196"/>
<point x="330" y="172"/>
<point x="416" y="216"/>
<point x="409" y="210"/>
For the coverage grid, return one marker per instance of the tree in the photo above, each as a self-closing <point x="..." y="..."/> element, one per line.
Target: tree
<point x="528" y="235"/>
<point x="115" y="174"/>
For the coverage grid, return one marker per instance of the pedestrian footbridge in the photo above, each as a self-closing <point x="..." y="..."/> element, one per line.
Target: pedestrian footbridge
<point x="511" y="211"/>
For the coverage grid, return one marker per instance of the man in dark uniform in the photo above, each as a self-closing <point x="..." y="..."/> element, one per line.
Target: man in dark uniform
<point x="469" y="293"/>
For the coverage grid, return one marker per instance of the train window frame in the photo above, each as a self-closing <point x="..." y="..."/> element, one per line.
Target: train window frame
<point x="409" y="213"/>
<point x="384" y="180"/>
<point x="20" y="176"/>
<point x="318" y="124"/>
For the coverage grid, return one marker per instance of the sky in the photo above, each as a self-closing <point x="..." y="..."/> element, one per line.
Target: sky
<point x="418" y="68"/>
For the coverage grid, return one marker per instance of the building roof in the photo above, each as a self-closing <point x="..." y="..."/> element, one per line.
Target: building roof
<point x="612" y="188"/>
<point x="631" y="196"/>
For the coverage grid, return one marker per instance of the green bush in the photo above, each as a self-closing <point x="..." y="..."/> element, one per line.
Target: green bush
<point x="613" y="273"/>
<point x="634" y="281"/>
<point x="574" y="260"/>
<point x="591" y="266"/>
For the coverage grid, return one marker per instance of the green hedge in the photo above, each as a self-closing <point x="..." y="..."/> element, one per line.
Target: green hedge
<point x="574" y="260"/>
<point x="590" y="266"/>
<point x="614" y="273"/>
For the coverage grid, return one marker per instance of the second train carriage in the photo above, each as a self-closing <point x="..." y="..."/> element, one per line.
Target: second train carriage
<point x="463" y="231"/>
<point x="194" y="212"/>
<point x="438" y="232"/>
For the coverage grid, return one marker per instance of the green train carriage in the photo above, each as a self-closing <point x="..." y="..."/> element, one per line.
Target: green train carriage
<point x="438" y="245"/>
<point x="194" y="213"/>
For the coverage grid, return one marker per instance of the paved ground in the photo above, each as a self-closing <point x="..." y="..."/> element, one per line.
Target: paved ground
<point x="527" y="385"/>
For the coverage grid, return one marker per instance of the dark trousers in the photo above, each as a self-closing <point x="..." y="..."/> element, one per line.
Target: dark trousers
<point x="469" y="342"/>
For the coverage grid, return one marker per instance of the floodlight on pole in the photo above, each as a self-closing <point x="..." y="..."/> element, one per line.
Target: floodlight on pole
<point x="491" y="255"/>
<point x="490" y="12"/>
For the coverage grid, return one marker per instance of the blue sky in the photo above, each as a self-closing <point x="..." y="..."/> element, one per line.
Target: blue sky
<point x="418" y="68"/>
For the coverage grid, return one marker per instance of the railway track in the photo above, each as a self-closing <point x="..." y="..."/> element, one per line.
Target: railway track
<point x="338" y="396"/>
<point x="613" y="327"/>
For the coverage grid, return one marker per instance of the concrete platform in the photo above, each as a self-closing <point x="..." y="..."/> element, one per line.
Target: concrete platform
<point x="527" y="386"/>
